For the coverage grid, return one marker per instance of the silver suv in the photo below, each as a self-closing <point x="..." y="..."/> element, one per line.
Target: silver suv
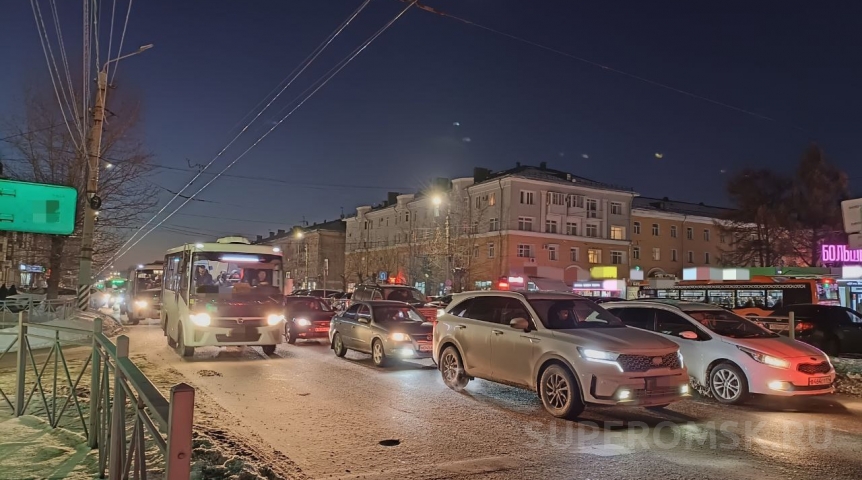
<point x="568" y="349"/>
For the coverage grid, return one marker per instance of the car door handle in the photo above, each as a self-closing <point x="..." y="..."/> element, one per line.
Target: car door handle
<point x="460" y="327"/>
<point x="497" y="332"/>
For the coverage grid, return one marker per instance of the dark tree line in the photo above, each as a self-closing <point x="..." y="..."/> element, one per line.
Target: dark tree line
<point x="782" y="220"/>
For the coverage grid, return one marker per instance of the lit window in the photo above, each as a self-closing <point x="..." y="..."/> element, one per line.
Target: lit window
<point x="594" y="255"/>
<point x="492" y="199"/>
<point x="617" y="233"/>
<point x="656" y="253"/>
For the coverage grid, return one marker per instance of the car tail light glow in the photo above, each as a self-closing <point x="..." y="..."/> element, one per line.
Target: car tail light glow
<point x="804" y="326"/>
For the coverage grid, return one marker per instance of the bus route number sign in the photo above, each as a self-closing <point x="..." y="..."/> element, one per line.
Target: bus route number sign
<point x="37" y="208"/>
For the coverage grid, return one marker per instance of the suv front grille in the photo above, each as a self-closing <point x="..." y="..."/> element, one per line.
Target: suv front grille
<point x="643" y="363"/>
<point x="814" y="368"/>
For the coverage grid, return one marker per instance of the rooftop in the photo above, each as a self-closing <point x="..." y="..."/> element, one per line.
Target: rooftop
<point x="684" y="208"/>
<point x="545" y="174"/>
<point x="331" y="225"/>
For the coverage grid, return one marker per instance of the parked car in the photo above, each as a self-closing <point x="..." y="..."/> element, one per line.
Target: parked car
<point x="320" y="293"/>
<point x="399" y="293"/>
<point x="569" y="350"/>
<point x="386" y="329"/>
<point x="300" y="292"/>
<point x="306" y="317"/>
<point x="729" y="354"/>
<point x="33" y="297"/>
<point x="831" y="328"/>
<point x="606" y="299"/>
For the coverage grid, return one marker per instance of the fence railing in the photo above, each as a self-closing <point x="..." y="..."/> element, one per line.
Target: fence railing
<point x="778" y="324"/>
<point x="36" y="310"/>
<point x="122" y="410"/>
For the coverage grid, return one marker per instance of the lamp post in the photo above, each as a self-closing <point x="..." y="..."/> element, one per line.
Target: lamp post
<point x="301" y="236"/>
<point x="437" y="200"/>
<point x="93" y="203"/>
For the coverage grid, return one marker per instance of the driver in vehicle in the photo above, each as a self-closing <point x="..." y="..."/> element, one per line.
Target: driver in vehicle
<point x="561" y="318"/>
<point x="202" y="276"/>
<point x="260" y="280"/>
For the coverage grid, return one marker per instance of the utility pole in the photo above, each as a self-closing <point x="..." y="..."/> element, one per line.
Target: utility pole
<point x="93" y="202"/>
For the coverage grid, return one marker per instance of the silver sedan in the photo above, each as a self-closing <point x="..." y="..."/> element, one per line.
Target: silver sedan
<point x="385" y="329"/>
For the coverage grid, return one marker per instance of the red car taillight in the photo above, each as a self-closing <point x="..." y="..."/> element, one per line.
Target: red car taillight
<point x="804" y="326"/>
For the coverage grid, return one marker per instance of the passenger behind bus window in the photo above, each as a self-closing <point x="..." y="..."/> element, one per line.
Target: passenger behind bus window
<point x="202" y="276"/>
<point x="261" y="279"/>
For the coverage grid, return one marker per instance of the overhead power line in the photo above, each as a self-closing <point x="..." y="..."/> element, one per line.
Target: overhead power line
<point x="343" y="64"/>
<point x="287" y="82"/>
<point x="606" y="67"/>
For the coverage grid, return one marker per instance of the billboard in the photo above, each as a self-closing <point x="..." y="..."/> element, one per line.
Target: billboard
<point x="37" y="208"/>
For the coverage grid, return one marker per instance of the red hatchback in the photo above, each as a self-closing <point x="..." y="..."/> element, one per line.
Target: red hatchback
<point x="306" y="317"/>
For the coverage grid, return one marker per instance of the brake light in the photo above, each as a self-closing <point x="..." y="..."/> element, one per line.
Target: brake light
<point x="804" y="326"/>
<point x="503" y="286"/>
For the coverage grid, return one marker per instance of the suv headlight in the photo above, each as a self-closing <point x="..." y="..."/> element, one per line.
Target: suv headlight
<point x="201" y="319"/>
<point x="141" y="303"/>
<point x="400" y="337"/>
<point x="765" y="359"/>
<point x="600" y="356"/>
<point x="274" y="319"/>
<point x="303" y="322"/>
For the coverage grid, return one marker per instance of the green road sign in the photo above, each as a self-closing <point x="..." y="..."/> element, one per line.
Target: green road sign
<point x="37" y="208"/>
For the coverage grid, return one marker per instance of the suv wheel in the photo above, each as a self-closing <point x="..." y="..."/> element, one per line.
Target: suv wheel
<point x="560" y="393"/>
<point x="452" y="370"/>
<point x="728" y="384"/>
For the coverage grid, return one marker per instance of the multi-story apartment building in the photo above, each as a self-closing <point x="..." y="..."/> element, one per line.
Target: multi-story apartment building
<point x="668" y="236"/>
<point x="533" y="223"/>
<point x="313" y="255"/>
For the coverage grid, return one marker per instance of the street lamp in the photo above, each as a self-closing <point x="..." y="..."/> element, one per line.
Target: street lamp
<point x="301" y="236"/>
<point x="93" y="150"/>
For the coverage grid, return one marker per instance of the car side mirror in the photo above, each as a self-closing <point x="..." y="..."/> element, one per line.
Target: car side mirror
<point x="520" y="324"/>
<point x="364" y="319"/>
<point x="688" y="335"/>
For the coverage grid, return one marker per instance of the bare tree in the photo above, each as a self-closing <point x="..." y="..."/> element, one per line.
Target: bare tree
<point x="47" y="154"/>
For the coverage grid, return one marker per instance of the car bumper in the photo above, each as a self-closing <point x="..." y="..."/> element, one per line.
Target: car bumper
<point x="408" y="350"/>
<point x="635" y="389"/>
<point x="311" y="332"/>
<point x="222" y="336"/>
<point x="789" y="382"/>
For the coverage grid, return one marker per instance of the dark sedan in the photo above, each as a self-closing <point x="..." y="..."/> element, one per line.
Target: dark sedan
<point x="385" y="329"/>
<point x="831" y="328"/>
<point x="306" y="317"/>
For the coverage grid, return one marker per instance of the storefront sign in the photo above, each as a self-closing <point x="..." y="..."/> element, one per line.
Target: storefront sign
<point x="31" y="268"/>
<point x="601" y="273"/>
<point x="587" y="286"/>
<point x="851" y="271"/>
<point x="840" y="253"/>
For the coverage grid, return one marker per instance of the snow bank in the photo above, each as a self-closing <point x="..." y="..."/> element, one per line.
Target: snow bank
<point x="10" y="335"/>
<point x="848" y="375"/>
<point x="30" y="448"/>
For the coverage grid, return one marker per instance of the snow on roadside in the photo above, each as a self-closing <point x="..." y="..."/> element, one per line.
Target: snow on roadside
<point x="848" y="375"/>
<point x="30" y="448"/>
<point x="84" y="322"/>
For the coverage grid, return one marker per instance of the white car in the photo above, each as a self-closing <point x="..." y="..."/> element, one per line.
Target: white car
<point x="566" y="348"/>
<point x="730" y="355"/>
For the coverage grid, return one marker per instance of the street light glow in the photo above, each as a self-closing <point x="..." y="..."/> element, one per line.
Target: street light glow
<point x="298" y="234"/>
<point x="437" y="200"/>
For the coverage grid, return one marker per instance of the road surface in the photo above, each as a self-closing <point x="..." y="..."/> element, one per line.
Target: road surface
<point x="345" y="418"/>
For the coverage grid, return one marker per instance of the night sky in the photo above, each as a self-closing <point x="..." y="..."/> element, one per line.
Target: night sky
<point x="388" y="121"/>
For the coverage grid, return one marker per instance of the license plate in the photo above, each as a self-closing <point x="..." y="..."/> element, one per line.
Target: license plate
<point x="321" y="329"/>
<point x="425" y="347"/>
<point x="820" y="381"/>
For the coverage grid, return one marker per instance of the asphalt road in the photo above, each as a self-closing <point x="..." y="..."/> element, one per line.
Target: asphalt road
<point x="330" y="415"/>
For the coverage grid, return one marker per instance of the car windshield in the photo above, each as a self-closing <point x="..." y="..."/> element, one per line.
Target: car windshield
<point x="565" y="314"/>
<point x="308" y="305"/>
<point x="233" y="274"/>
<point x="407" y="295"/>
<point x="396" y="314"/>
<point x="729" y="324"/>
<point x="148" y="279"/>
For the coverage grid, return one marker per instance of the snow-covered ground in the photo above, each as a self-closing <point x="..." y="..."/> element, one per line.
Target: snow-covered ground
<point x="849" y="375"/>
<point x="30" y="448"/>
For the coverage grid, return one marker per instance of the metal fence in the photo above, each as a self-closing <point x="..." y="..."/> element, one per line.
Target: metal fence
<point x="122" y="409"/>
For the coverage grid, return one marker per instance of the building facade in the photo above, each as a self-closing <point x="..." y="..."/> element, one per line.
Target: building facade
<point x="313" y="255"/>
<point x="668" y="236"/>
<point x="540" y="225"/>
